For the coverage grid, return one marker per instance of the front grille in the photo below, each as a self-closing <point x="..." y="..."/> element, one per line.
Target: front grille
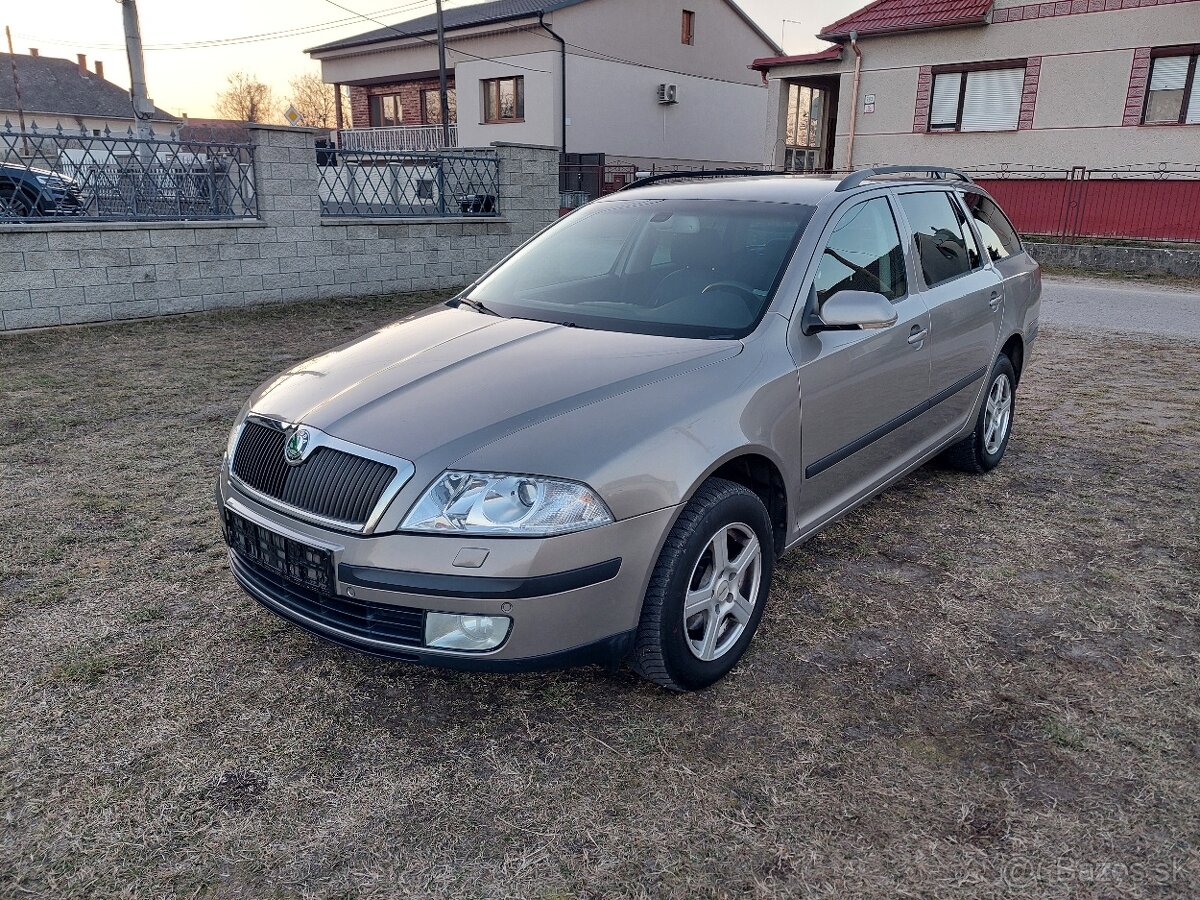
<point x="330" y="483"/>
<point x="350" y="619"/>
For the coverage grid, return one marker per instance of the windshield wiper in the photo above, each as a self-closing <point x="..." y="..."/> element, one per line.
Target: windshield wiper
<point x="478" y="306"/>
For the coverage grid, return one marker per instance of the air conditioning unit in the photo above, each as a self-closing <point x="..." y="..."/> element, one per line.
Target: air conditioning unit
<point x="668" y="93"/>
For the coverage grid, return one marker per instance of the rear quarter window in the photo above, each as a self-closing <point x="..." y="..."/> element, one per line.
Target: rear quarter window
<point x="999" y="239"/>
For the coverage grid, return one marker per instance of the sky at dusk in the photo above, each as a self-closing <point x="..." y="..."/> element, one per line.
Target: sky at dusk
<point x="185" y="74"/>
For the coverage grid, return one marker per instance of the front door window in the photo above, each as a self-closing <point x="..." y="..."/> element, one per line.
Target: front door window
<point x="805" y="128"/>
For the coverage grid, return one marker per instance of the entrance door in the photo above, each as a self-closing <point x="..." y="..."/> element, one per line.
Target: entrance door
<point x="807" y="112"/>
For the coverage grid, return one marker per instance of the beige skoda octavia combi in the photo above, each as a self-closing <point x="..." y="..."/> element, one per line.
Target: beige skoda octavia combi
<point x="597" y="451"/>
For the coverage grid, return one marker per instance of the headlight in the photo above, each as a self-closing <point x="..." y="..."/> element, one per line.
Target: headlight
<point x="482" y="503"/>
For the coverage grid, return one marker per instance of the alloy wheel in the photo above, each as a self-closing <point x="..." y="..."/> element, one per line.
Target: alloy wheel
<point x="722" y="591"/>
<point x="997" y="414"/>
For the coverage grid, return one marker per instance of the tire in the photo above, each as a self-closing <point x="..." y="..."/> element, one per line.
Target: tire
<point x="980" y="451"/>
<point x="15" y="206"/>
<point x="668" y="650"/>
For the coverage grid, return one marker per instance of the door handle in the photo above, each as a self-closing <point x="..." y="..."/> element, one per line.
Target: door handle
<point x="995" y="301"/>
<point x="917" y="335"/>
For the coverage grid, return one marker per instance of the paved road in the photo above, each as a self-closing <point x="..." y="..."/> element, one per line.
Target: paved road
<point x="1115" y="306"/>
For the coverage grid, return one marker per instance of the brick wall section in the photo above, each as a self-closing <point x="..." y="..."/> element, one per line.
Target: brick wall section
<point x="924" y="93"/>
<point x="59" y="274"/>
<point x="1070" y="8"/>
<point x="410" y="98"/>
<point x="1139" y="79"/>
<point x="1033" y="72"/>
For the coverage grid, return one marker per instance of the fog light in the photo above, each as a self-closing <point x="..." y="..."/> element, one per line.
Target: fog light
<point x="450" y="631"/>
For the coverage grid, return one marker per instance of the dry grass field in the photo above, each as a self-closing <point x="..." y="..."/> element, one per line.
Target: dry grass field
<point x="971" y="687"/>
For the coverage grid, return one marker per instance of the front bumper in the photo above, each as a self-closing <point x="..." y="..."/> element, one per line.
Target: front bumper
<point x="573" y="600"/>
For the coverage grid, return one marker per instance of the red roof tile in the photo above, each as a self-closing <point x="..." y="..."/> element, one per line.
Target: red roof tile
<point x="908" y="15"/>
<point x="828" y="54"/>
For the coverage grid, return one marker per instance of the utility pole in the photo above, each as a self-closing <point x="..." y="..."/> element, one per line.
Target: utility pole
<point x="17" y="89"/>
<point x="443" y="97"/>
<point x="143" y="107"/>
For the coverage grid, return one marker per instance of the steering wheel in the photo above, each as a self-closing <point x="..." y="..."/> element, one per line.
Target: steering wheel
<point x="744" y="291"/>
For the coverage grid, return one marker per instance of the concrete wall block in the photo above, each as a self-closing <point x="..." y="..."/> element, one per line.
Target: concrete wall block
<point x="150" y="256"/>
<point x="214" y="236"/>
<point x="240" y="251"/>
<point x="14" y="300"/>
<point x="173" y="237"/>
<point x="271" y="295"/>
<point x="347" y="247"/>
<point x="130" y="274"/>
<point x="332" y="232"/>
<point x="135" y="309"/>
<point x="295" y="233"/>
<point x="193" y="287"/>
<point x="381" y="245"/>
<point x="79" y="277"/>
<point x="156" y="290"/>
<point x="177" y="270"/>
<point x="285" y="280"/>
<point x="124" y="239"/>
<point x="185" y="304"/>
<point x="200" y="253"/>
<point x="73" y="240"/>
<point x="104" y="258"/>
<point x="21" y="281"/>
<point x="84" y="313"/>
<point x="12" y="261"/>
<point x="107" y="293"/>
<point x="363" y="260"/>
<point x="297" y="264"/>
<point x="362" y="232"/>
<point x="20" y="243"/>
<point x="260" y="266"/>
<point x="31" y="318"/>
<point x="226" y="268"/>
<point x="243" y="283"/>
<point x="277" y="249"/>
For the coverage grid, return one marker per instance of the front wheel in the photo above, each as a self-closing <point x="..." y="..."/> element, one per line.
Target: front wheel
<point x="982" y="450"/>
<point x="708" y="590"/>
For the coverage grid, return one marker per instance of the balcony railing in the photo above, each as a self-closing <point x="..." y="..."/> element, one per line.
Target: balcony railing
<point x="399" y="139"/>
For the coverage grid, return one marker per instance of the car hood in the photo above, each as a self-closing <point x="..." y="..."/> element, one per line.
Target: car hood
<point x="451" y="380"/>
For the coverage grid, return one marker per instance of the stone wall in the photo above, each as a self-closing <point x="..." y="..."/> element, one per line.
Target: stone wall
<point x="62" y="273"/>
<point x="1128" y="260"/>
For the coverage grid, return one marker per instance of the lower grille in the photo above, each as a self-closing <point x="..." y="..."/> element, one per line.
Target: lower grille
<point x="330" y="484"/>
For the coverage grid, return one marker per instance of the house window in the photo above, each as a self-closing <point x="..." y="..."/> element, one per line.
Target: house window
<point x="982" y="97"/>
<point x="386" y="110"/>
<point x="504" y="100"/>
<point x="805" y="124"/>
<point x="1173" y="96"/>
<point x="431" y="106"/>
<point x="688" y="35"/>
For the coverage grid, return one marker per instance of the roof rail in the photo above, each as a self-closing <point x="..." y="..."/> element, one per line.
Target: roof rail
<point x="854" y="179"/>
<point x="703" y="173"/>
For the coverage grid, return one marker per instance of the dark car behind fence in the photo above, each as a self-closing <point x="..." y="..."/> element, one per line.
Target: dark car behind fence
<point x="84" y="176"/>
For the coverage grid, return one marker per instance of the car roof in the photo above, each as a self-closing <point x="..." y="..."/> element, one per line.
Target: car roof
<point x="806" y="190"/>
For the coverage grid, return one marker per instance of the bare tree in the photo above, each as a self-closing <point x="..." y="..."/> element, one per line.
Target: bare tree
<point x="246" y="99"/>
<point x="314" y="100"/>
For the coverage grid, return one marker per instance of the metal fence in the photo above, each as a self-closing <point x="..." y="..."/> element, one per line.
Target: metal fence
<point x="1142" y="203"/>
<point x="377" y="183"/>
<point x="402" y="138"/>
<point x="82" y="175"/>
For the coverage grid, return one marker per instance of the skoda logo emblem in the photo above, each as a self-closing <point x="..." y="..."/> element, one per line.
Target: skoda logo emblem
<point x="296" y="445"/>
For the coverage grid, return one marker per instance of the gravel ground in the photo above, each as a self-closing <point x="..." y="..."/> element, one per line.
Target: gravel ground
<point x="971" y="687"/>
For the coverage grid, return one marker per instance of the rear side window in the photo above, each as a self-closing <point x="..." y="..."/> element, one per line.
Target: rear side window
<point x="863" y="254"/>
<point x="998" y="236"/>
<point x="944" y="246"/>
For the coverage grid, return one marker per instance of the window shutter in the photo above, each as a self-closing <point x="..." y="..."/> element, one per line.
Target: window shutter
<point x="943" y="108"/>
<point x="1170" y="73"/>
<point x="993" y="100"/>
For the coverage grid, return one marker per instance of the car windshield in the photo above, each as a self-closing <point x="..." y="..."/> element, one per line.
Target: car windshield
<point x="682" y="268"/>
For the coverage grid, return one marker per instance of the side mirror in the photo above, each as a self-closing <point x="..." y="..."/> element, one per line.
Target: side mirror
<point x="850" y="310"/>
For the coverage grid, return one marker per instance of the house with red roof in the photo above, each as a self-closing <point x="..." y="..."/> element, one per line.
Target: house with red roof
<point x="1032" y="93"/>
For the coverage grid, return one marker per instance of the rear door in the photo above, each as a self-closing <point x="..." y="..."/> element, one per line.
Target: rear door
<point x="857" y="386"/>
<point x="965" y="297"/>
<point x="1000" y="244"/>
